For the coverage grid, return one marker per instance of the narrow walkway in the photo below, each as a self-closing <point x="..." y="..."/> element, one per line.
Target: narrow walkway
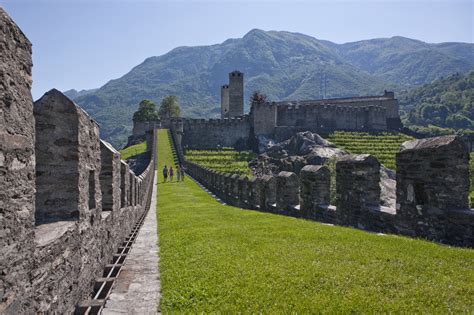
<point x="137" y="289"/>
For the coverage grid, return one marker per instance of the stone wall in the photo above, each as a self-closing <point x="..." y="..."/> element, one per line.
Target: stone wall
<point x="279" y="120"/>
<point x="440" y="164"/>
<point x="433" y="188"/>
<point x="140" y="128"/>
<point x="67" y="160"/>
<point x="17" y="167"/>
<point x="51" y="266"/>
<point x="205" y="134"/>
<point x="110" y="177"/>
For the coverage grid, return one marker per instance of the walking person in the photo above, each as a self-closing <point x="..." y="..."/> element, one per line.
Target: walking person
<point x="178" y="173"/>
<point x="171" y="173"/>
<point x="165" y="174"/>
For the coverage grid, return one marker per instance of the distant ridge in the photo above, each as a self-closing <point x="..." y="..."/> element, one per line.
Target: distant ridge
<point x="283" y="65"/>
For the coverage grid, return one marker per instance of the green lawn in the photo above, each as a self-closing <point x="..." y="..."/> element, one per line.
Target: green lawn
<point x="216" y="258"/>
<point x="133" y="150"/>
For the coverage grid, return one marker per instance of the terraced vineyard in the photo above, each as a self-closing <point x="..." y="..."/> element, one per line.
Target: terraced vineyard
<point x="224" y="160"/>
<point x="382" y="145"/>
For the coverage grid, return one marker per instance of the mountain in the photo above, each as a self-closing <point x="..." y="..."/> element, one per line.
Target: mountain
<point x="443" y="106"/>
<point x="73" y="94"/>
<point x="407" y="61"/>
<point x="282" y="65"/>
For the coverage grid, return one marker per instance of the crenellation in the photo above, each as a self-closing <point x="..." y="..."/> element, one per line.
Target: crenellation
<point x="109" y="177"/>
<point x="62" y="236"/>
<point x="440" y="164"/>
<point x="314" y="188"/>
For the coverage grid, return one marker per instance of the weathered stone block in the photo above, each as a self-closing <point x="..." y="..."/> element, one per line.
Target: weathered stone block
<point x="287" y="191"/>
<point x="67" y="161"/>
<point x="315" y="181"/>
<point x="17" y="168"/>
<point x="125" y="185"/>
<point x="109" y="177"/>
<point x="242" y="196"/>
<point x="268" y="191"/>
<point x="357" y="186"/>
<point x="432" y="176"/>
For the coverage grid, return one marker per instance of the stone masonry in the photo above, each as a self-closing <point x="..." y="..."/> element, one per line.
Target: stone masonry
<point x="287" y="191"/>
<point x="432" y="188"/>
<point x="52" y="253"/>
<point x="17" y="166"/>
<point x="357" y="185"/>
<point x="315" y="187"/>
<point x="67" y="160"/>
<point x="110" y="177"/>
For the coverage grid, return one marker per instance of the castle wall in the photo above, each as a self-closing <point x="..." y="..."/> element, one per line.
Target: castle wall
<point x="17" y="167"/>
<point x="325" y="118"/>
<point x="110" y="177"/>
<point x="68" y="160"/>
<point x="140" y="128"/>
<point x="433" y="183"/>
<point x="206" y="134"/>
<point x="264" y="118"/>
<point x="441" y="164"/>
<point x="51" y="267"/>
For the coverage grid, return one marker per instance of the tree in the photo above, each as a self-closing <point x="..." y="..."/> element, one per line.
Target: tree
<point x="258" y="98"/>
<point x="146" y="111"/>
<point x="169" y="107"/>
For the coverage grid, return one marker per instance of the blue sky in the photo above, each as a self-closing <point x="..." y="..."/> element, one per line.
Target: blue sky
<point x="82" y="44"/>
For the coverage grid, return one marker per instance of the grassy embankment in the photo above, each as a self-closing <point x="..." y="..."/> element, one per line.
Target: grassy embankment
<point x="222" y="258"/>
<point x="133" y="150"/>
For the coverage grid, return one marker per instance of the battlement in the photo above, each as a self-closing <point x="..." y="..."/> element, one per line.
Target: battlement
<point x="353" y="99"/>
<point x="68" y="200"/>
<point x="432" y="188"/>
<point x="216" y="122"/>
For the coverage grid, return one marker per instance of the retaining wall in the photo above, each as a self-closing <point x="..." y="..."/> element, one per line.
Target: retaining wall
<point x="441" y="163"/>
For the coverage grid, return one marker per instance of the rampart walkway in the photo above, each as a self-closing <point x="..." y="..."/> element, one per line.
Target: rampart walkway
<point x="137" y="289"/>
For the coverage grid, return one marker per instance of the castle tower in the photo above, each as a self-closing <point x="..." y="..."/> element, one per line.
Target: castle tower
<point x="225" y="101"/>
<point x="236" y="94"/>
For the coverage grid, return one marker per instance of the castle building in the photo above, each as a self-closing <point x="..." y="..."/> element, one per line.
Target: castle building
<point x="280" y="120"/>
<point x="232" y="96"/>
<point x="367" y="113"/>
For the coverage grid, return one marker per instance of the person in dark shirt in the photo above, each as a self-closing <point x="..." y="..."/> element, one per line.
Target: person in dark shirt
<point x="165" y="174"/>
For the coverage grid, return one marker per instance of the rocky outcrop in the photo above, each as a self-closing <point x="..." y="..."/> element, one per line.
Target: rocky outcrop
<point x="305" y="148"/>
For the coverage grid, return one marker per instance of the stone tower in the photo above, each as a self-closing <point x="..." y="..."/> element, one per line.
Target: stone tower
<point x="225" y="101"/>
<point x="236" y="94"/>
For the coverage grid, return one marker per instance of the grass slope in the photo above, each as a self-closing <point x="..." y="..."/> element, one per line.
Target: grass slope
<point x="133" y="150"/>
<point x="221" y="258"/>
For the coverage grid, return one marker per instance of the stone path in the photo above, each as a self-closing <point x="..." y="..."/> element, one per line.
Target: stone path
<point x="137" y="289"/>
